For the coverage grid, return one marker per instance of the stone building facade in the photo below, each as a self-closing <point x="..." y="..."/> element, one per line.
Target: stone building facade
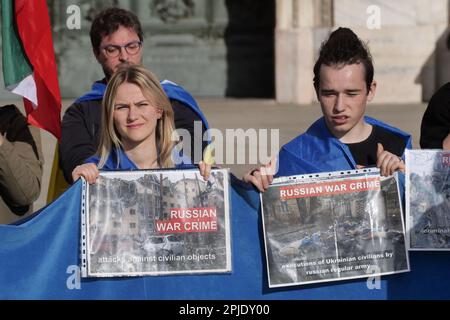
<point x="407" y="38"/>
<point x="264" y="48"/>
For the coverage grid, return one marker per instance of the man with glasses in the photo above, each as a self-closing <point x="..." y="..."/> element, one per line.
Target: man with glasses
<point x="132" y="48"/>
<point x="117" y="39"/>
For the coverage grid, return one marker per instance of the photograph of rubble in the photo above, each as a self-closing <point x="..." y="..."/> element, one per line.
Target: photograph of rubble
<point x="157" y="223"/>
<point x="428" y="199"/>
<point x="333" y="228"/>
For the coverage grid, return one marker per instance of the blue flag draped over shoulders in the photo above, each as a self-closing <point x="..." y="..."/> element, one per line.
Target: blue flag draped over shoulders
<point x="317" y="150"/>
<point x="118" y="160"/>
<point x="172" y="90"/>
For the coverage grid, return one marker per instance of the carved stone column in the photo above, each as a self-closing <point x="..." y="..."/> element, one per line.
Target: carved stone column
<point x="297" y="21"/>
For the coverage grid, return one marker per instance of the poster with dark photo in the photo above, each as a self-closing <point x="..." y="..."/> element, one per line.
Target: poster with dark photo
<point x="428" y="199"/>
<point x="156" y="223"/>
<point x="333" y="226"/>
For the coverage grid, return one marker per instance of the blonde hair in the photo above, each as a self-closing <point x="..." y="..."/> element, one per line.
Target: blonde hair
<point x="151" y="88"/>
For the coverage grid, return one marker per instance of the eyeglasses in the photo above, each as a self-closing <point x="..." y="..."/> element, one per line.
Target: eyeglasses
<point x="131" y="48"/>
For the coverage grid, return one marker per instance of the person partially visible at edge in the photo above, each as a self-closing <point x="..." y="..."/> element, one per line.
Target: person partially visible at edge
<point x="344" y="138"/>
<point x="20" y="164"/>
<point x="435" y="127"/>
<point x="137" y="126"/>
<point x="117" y="39"/>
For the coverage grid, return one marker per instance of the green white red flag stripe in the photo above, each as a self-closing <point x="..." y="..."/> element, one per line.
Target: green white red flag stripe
<point x="29" y="67"/>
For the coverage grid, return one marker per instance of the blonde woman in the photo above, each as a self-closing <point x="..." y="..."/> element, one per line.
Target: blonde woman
<point x="137" y="127"/>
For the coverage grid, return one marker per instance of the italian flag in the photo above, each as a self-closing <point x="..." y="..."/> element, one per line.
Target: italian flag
<point x="29" y="67"/>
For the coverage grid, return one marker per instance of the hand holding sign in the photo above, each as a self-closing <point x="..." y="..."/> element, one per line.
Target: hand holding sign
<point x="388" y="162"/>
<point x="261" y="177"/>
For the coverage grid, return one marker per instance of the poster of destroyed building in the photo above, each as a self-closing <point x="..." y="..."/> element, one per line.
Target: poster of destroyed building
<point x="333" y="228"/>
<point x="428" y="199"/>
<point x="156" y="223"/>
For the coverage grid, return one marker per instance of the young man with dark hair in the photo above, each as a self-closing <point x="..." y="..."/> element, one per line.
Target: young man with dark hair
<point x="343" y="139"/>
<point x="117" y="40"/>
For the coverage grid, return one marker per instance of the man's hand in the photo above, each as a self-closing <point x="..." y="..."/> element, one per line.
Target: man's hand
<point x="261" y="177"/>
<point x="388" y="162"/>
<point x="89" y="171"/>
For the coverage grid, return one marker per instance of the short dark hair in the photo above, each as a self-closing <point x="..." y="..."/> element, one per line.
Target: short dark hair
<point x="108" y="21"/>
<point x="343" y="47"/>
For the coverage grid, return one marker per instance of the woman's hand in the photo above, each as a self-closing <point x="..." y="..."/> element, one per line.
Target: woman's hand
<point x="88" y="171"/>
<point x="205" y="170"/>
